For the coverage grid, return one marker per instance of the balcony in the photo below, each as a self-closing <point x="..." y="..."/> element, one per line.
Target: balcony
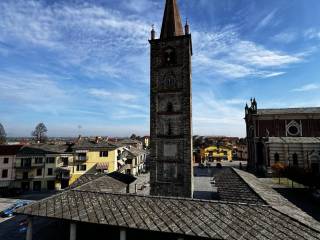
<point x="23" y="166"/>
<point x="21" y="177"/>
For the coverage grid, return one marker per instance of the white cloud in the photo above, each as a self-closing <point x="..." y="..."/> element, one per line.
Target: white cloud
<point x="111" y="95"/>
<point x="312" y="33"/>
<point x="267" y="19"/>
<point x="307" y="88"/>
<point x="285" y="37"/>
<point x="216" y="115"/>
<point x="226" y="54"/>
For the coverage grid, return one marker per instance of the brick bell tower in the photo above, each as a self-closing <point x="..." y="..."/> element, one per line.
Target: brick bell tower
<point x="171" y="168"/>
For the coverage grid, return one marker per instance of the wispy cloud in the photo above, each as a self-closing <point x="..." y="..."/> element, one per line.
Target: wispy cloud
<point x="224" y="53"/>
<point x="285" y="37"/>
<point x="307" y="88"/>
<point x="312" y="33"/>
<point x="111" y="95"/>
<point x="267" y="20"/>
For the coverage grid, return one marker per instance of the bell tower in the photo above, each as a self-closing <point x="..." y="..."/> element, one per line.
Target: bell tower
<point x="171" y="168"/>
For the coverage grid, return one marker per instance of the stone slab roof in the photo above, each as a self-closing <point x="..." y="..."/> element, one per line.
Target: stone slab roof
<point x="9" y="150"/>
<point x="311" y="110"/>
<point x="125" y="178"/>
<point x="104" y="184"/>
<point x="85" y="178"/>
<point x="87" y="144"/>
<point x="195" y="218"/>
<point x="232" y="188"/>
<point x="276" y="201"/>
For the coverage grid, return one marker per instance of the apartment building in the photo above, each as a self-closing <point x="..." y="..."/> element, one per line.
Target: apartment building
<point x="7" y="160"/>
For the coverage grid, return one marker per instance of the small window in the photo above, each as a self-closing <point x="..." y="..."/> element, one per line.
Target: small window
<point x="6" y="160"/>
<point x="169" y="107"/>
<point x="169" y="56"/>
<point x="276" y="157"/>
<point x="39" y="172"/>
<point x="50" y="159"/>
<point x="83" y="167"/>
<point x="169" y="129"/>
<point x="4" y="173"/>
<point x="78" y="167"/>
<point x="65" y="161"/>
<point x="295" y="159"/>
<point x="103" y="153"/>
<point x="38" y="160"/>
<point x="50" y="171"/>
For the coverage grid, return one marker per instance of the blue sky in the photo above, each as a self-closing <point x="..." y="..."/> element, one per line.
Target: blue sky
<point x="82" y="66"/>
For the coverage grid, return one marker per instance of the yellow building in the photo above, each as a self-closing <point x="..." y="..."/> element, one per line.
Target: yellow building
<point x="214" y="153"/>
<point x="93" y="156"/>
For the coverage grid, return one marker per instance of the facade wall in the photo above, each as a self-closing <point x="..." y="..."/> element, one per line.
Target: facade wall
<point x="28" y="175"/>
<point x="171" y="170"/>
<point x="305" y="154"/>
<point x="7" y="166"/>
<point x="277" y="127"/>
<point x="93" y="158"/>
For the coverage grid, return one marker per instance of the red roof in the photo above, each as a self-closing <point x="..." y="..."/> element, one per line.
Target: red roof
<point x="9" y="149"/>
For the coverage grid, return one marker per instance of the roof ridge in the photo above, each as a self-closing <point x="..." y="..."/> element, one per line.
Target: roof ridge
<point x="172" y="198"/>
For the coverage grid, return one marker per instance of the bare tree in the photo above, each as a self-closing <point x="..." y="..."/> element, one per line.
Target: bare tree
<point x="3" y="135"/>
<point x="133" y="136"/>
<point x="39" y="133"/>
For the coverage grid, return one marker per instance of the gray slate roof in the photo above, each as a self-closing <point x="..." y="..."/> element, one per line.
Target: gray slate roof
<point x="232" y="188"/>
<point x="197" y="218"/>
<point x="104" y="184"/>
<point x="87" y="144"/>
<point x="311" y="110"/>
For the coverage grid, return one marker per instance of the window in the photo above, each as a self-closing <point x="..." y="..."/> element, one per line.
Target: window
<point x="38" y="160"/>
<point x="169" y="56"/>
<point x="25" y="175"/>
<point x="4" y="173"/>
<point x="276" y="157"/>
<point x="26" y="162"/>
<point x="50" y="171"/>
<point x="51" y="159"/>
<point x="169" y="107"/>
<point x="103" y="153"/>
<point x="295" y="159"/>
<point x="83" y="167"/>
<point x="65" y="161"/>
<point x="169" y="129"/>
<point x="39" y="172"/>
<point x="6" y="160"/>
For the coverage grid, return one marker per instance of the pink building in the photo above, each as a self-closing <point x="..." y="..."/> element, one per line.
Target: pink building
<point x="7" y="161"/>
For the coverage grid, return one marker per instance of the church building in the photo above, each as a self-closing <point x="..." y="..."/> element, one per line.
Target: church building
<point x="289" y="135"/>
<point x="171" y="170"/>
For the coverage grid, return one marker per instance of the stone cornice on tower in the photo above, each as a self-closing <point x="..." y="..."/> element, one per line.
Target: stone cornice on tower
<point x="171" y="24"/>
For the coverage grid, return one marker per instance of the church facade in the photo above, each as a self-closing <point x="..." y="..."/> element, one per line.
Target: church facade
<point x="171" y="170"/>
<point x="288" y="135"/>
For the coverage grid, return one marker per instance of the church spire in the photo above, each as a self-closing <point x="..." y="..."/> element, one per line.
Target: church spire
<point x="171" y="24"/>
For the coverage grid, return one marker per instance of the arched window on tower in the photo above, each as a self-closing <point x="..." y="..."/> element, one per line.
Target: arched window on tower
<point x="169" y="107"/>
<point x="169" y="128"/>
<point x="276" y="157"/>
<point x="170" y="56"/>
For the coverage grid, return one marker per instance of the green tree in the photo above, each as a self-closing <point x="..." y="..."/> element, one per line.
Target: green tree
<point x="3" y="135"/>
<point x="39" y="133"/>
